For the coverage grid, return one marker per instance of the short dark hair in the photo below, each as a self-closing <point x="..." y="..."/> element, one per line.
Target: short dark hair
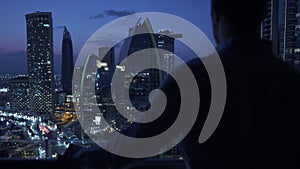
<point x="242" y="13"/>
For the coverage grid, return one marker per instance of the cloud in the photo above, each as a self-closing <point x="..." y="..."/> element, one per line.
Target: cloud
<point x="113" y="13"/>
<point x="97" y="16"/>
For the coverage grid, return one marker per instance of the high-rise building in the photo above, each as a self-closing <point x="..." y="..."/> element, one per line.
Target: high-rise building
<point x="141" y="84"/>
<point x="67" y="62"/>
<point x="40" y="62"/>
<point x="107" y="66"/>
<point x="105" y="72"/>
<point x="18" y="94"/>
<point x="287" y="24"/>
<point x="297" y="34"/>
<point x="4" y="98"/>
<point x="84" y="92"/>
<point x="282" y="26"/>
<point x="141" y="37"/>
<point x="166" y="41"/>
<point x="269" y="27"/>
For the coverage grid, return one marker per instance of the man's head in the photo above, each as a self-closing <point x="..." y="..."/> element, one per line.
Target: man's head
<point x="236" y="17"/>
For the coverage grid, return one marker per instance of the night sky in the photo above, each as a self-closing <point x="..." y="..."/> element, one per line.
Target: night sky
<point x="82" y="18"/>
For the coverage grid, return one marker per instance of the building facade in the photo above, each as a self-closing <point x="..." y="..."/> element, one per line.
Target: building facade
<point x="269" y="27"/>
<point x="18" y="94"/>
<point x="282" y="27"/>
<point x="105" y="72"/>
<point x="40" y="62"/>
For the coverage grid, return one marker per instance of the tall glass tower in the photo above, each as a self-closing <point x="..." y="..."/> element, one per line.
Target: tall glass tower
<point x="270" y="26"/>
<point x="40" y="62"/>
<point x="287" y="23"/>
<point x="282" y="26"/>
<point x="67" y="62"/>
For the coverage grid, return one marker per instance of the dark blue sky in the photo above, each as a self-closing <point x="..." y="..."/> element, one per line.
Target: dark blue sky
<point x="82" y="18"/>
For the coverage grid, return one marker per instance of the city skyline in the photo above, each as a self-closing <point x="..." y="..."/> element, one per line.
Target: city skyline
<point x="44" y="108"/>
<point x="82" y="21"/>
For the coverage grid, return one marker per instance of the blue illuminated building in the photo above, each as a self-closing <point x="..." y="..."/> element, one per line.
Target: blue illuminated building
<point x="40" y="62"/>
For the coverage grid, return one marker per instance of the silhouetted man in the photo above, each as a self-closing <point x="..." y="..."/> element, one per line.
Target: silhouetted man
<point x="260" y="124"/>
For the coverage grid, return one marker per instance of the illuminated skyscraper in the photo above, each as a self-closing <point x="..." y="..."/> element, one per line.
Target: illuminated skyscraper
<point x="287" y="25"/>
<point x="103" y="85"/>
<point x="297" y="34"/>
<point x="105" y="72"/>
<point x="282" y="26"/>
<point x="166" y="41"/>
<point x="18" y="93"/>
<point x="141" y="37"/>
<point x="40" y="62"/>
<point x="140" y="84"/>
<point x="67" y="62"/>
<point x="269" y="27"/>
